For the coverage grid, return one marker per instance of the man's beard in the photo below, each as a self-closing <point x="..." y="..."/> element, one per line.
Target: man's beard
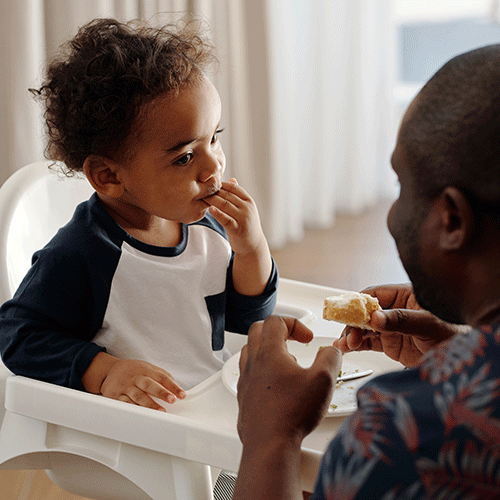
<point x="429" y="291"/>
<point x="437" y="302"/>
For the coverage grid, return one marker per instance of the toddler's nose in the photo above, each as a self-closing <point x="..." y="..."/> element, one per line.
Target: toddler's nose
<point x="213" y="168"/>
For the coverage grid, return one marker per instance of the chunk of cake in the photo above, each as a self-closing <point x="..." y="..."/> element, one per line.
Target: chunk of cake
<point x="351" y="308"/>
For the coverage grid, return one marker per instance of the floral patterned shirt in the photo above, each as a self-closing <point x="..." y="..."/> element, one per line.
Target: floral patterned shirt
<point x="431" y="432"/>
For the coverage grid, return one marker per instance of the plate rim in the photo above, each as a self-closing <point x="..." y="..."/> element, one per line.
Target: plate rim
<point x="234" y="360"/>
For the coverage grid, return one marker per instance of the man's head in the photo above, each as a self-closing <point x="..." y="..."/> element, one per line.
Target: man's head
<point x="448" y="161"/>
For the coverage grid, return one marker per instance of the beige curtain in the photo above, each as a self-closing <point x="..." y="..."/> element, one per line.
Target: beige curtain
<point x="305" y="84"/>
<point x="331" y="125"/>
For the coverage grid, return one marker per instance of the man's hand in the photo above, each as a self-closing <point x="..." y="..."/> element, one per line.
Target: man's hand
<point x="279" y="404"/>
<point x="277" y="398"/>
<point x="403" y="330"/>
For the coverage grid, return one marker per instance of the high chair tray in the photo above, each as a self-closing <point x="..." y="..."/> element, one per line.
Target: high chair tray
<point x="201" y="428"/>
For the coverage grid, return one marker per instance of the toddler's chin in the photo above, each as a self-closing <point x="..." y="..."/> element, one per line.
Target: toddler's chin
<point x="196" y="218"/>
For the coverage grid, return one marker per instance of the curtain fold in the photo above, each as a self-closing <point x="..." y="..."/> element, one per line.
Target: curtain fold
<point x="22" y="52"/>
<point x="331" y="79"/>
<point x="306" y="87"/>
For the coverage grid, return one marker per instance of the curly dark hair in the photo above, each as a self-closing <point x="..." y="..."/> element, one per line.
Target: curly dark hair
<point x="95" y="88"/>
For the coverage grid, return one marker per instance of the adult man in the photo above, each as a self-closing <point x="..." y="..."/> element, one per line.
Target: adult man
<point x="432" y="431"/>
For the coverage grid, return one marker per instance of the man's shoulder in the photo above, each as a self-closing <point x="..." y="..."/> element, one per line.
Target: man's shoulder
<point x="449" y="363"/>
<point x="463" y="355"/>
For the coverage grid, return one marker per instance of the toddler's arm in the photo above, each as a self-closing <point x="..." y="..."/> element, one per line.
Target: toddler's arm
<point x="130" y="380"/>
<point x="236" y="211"/>
<point x="46" y="331"/>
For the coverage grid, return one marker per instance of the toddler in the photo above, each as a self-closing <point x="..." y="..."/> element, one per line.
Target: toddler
<point x="132" y="297"/>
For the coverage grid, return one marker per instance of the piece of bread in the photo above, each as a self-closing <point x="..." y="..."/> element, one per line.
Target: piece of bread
<point x="351" y="308"/>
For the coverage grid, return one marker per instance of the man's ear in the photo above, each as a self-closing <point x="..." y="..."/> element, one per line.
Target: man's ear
<point x="457" y="219"/>
<point x="101" y="172"/>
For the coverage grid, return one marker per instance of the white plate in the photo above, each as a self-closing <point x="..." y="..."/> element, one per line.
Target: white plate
<point x="301" y="313"/>
<point x="344" y="396"/>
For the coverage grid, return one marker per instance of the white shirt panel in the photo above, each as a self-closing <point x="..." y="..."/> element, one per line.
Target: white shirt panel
<point x="168" y="295"/>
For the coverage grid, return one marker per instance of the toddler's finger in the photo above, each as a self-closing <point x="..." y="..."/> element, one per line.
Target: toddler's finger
<point x="140" y="398"/>
<point x="168" y="386"/>
<point x="227" y="202"/>
<point x="152" y="388"/>
<point x="225" y="220"/>
<point x="237" y="190"/>
<point x="180" y="393"/>
<point x="243" y="357"/>
<point x="125" y="399"/>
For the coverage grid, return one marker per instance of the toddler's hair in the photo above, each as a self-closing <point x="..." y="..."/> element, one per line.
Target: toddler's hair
<point x="95" y="88"/>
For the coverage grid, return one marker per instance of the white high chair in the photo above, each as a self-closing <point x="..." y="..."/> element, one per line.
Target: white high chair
<point x="104" y="449"/>
<point x="89" y="445"/>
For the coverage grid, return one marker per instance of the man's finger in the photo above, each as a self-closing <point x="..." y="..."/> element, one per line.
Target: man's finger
<point x="272" y="334"/>
<point x="350" y="339"/>
<point x="275" y="331"/>
<point x="294" y="329"/>
<point x="329" y="358"/>
<point x="243" y="358"/>
<point x="354" y="339"/>
<point x="298" y="331"/>
<point x="254" y="334"/>
<point x="405" y="321"/>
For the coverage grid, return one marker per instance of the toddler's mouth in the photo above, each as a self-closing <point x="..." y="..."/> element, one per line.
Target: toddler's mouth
<point x="213" y="190"/>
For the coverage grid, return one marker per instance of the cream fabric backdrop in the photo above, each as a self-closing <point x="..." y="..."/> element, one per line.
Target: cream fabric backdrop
<point x="306" y="87"/>
<point x="332" y="74"/>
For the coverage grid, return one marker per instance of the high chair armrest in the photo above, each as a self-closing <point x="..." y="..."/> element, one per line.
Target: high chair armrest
<point x="182" y="436"/>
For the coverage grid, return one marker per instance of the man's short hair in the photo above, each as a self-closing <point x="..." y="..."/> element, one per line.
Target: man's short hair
<point x="452" y="132"/>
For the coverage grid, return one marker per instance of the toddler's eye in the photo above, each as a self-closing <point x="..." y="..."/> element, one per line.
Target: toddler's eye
<point x="183" y="160"/>
<point x="214" y="137"/>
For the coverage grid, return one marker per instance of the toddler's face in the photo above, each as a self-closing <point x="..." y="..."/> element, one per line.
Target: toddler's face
<point x="176" y="159"/>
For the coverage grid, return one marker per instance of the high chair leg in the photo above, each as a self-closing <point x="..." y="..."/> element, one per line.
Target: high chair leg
<point x="100" y="468"/>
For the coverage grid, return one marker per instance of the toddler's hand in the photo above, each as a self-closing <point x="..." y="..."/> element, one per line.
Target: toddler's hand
<point x="135" y="381"/>
<point x="235" y="209"/>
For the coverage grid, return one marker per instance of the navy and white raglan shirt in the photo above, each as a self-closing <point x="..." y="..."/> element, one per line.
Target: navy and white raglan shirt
<point x="95" y="288"/>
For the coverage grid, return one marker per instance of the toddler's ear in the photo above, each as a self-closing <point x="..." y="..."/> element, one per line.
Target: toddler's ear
<point x="101" y="173"/>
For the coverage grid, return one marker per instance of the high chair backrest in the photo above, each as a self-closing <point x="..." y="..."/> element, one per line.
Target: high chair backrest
<point x="34" y="203"/>
<point x="83" y="457"/>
